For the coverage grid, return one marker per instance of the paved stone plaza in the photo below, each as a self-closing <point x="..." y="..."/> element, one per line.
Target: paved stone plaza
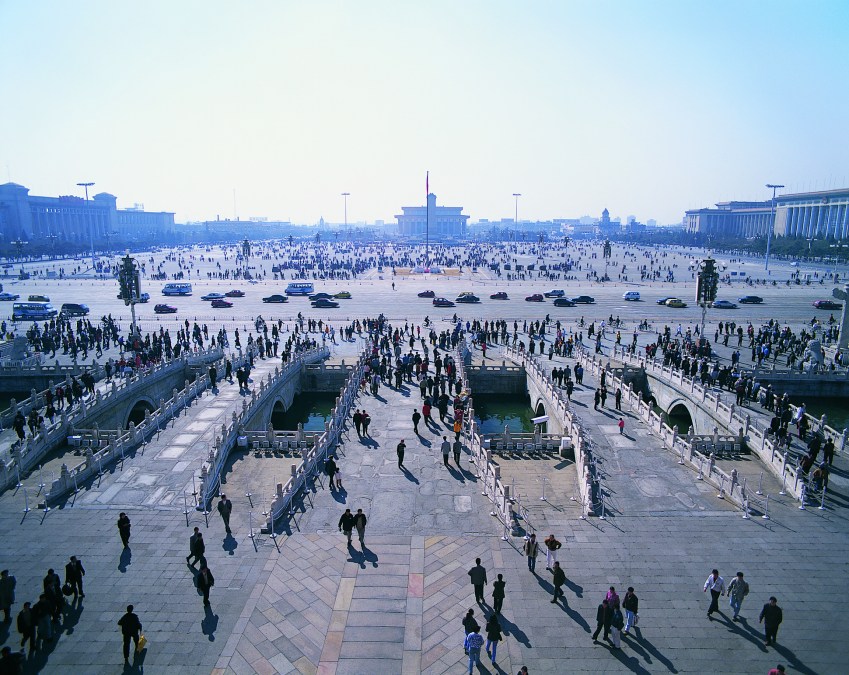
<point x="308" y="603"/>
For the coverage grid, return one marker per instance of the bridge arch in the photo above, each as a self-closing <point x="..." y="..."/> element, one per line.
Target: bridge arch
<point x="136" y="412"/>
<point x="539" y="411"/>
<point x="679" y="413"/>
<point x="278" y="407"/>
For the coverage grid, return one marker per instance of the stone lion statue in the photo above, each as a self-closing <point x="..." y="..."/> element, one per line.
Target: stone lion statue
<point x="814" y="356"/>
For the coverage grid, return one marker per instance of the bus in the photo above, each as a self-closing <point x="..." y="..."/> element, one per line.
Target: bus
<point x="177" y="289"/>
<point x="300" y="288"/>
<point x="33" y="311"/>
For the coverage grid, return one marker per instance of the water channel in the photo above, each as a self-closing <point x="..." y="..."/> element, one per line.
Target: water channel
<point x="311" y="410"/>
<point x="494" y="412"/>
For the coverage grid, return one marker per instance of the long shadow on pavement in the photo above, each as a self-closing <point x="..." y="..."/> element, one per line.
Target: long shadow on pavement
<point x="647" y="650"/>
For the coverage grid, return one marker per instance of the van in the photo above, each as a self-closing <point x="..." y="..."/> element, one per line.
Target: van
<point x="74" y="309"/>
<point x="631" y="295"/>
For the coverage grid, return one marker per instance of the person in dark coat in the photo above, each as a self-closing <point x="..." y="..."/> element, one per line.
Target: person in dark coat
<point x="7" y="593"/>
<point x="74" y="573"/>
<point x="558" y="580"/>
<point x="470" y="624"/>
<point x="130" y="628"/>
<point x="225" y="508"/>
<point x="346" y="524"/>
<point x="53" y="591"/>
<point x="197" y="548"/>
<point x="498" y="593"/>
<point x="771" y="617"/>
<point x="205" y="583"/>
<point x="124" y="529"/>
<point x="478" y="578"/>
<point x="493" y="636"/>
<point x="603" y="617"/>
<point x="26" y="626"/>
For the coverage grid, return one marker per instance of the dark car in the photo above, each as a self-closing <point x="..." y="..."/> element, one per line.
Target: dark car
<point x="321" y="296"/>
<point x="536" y="297"/>
<point x="583" y="299"/>
<point x="501" y="295"/>
<point x="165" y="309"/>
<point x="468" y="298"/>
<point x="442" y="302"/>
<point x="427" y="294"/>
<point x="73" y="309"/>
<point x="663" y="300"/>
<point x="221" y="304"/>
<point x="324" y="303"/>
<point x="555" y="293"/>
<point x="276" y="298"/>
<point x="564" y="302"/>
<point x="750" y="300"/>
<point x="827" y="304"/>
<point x="235" y="294"/>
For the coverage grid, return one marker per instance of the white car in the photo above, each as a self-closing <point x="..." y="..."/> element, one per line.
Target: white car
<point x="212" y="296"/>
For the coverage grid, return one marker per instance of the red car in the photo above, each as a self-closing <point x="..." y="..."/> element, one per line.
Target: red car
<point x="501" y="295"/>
<point x="427" y="294"/>
<point x="221" y="304"/>
<point x="235" y="294"/>
<point x="536" y="297"/>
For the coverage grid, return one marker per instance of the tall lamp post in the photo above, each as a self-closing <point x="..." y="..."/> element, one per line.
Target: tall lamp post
<point x="345" y="196"/>
<point x="516" y="196"/>
<point x="771" y="224"/>
<point x="91" y="226"/>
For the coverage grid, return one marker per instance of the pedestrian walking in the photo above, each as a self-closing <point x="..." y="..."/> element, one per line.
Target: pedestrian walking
<point x="531" y="548"/>
<point x="42" y="612"/>
<point x="737" y="590"/>
<point x="197" y="548"/>
<point x="716" y="585"/>
<point x="498" y="593"/>
<point x="457" y="447"/>
<point x="458" y="428"/>
<point x="417" y="416"/>
<point x="225" y="508"/>
<point x="330" y="469"/>
<point x="559" y="579"/>
<point x="771" y="617"/>
<point x="621" y="425"/>
<point x="7" y="594"/>
<point x="338" y="476"/>
<point x="399" y="449"/>
<point x="124" y="529"/>
<point x="26" y="626"/>
<point x="493" y="636"/>
<point x="130" y="629"/>
<point x="366" y="420"/>
<point x="53" y="591"/>
<point x="778" y="670"/>
<point x="358" y="422"/>
<point x="205" y="583"/>
<point x="603" y="616"/>
<point x="346" y="524"/>
<point x="470" y="625"/>
<point x="551" y="548"/>
<point x="618" y="396"/>
<point x="10" y="662"/>
<point x="612" y="597"/>
<point x="596" y="399"/>
<point x="478" y="578"/>
<point x="360" y="522"/>
<point x="446" y="450"/>
<point x="473" y="643"/>
<point x="631" y="605"/>
<point x="74" y="573"/>
<point x="616" y="624"/>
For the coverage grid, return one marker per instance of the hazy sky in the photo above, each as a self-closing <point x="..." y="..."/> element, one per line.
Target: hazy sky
<point x="646" y="108"/>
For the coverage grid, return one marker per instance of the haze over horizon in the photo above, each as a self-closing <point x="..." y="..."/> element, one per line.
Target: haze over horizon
<point x="643" y="108"/>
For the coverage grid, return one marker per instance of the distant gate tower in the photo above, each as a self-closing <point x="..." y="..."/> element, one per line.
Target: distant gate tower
<point x="446" y="222"/>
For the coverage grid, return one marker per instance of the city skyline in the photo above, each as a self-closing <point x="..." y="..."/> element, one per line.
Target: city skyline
<point x="276" y="110"/>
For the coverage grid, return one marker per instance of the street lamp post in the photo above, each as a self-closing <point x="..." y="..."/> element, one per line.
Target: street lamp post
<point x="91" y="226"/>
<point x="516" y="196"/>
<point x="771" y="225"/>
<point x="345" y="195"/>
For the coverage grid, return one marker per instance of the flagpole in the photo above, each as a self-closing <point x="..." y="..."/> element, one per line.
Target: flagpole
<point x="427" y="220"/>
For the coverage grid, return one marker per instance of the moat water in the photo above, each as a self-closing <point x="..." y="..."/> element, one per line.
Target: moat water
<point x="311" y="410"/>
<point x="494" y="412"/>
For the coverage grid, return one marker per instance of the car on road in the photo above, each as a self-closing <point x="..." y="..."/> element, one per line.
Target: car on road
<point x="343" y="295"/>
<point x="8" y="297"/>
<point x="324" y="303"/>
<point x="536" y="297"/>
<point x="235" y="294"/>
<point x="427" y="294"/>
<point x="631" y="296"/>
<point x="750" y="300"/>
<point x="442" y="302"/>
<point x="827" y="304"/>
<point x="320" y="296"/>
<point x="564" y="302"/>
<point x="583" y="299"/>
<point x="467" y="298"/>
<point x="165" y="309"/>
<point x="275" y="298"/>
<point x="212" y="296"/>
<point x="73" y="309"/>
<point x="675" y="302"/>
<point x="663" y="300"/>
<point x="724" y="304"/>
<point x="144" y="297"/>
<point x="38" y="298"/>
<point x="220" y="303"/>
<point x="501" y="295"/>
<point x="555" y="293"/>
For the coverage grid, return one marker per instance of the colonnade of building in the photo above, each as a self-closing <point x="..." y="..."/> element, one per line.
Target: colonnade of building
<point x="816" y="221"/>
